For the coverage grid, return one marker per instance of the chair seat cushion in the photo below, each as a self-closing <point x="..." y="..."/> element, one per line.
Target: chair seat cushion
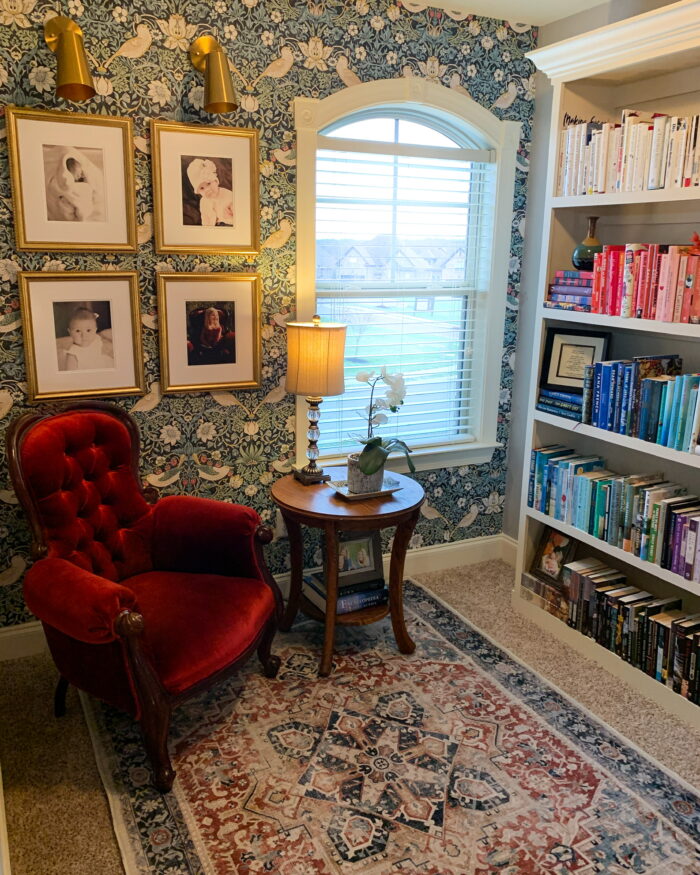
<point x="197" y="624"/>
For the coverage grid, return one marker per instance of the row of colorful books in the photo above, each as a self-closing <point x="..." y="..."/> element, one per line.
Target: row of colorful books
<point x="656" y="635"/>
<point x="351" y="597"/>
<point x="646" y="397"/>
<point x="571" y="289"/>
<point x="643" y="151"/>
<point x="643" y="514"/>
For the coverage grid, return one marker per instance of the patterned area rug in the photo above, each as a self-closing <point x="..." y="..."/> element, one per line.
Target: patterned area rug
<point x="456" y="760"/>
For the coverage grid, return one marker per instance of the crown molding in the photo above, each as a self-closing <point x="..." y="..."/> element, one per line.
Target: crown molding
<point x="668" y="30"/>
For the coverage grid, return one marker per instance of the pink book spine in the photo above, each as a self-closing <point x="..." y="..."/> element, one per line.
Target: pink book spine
<point x="680" y="287"/>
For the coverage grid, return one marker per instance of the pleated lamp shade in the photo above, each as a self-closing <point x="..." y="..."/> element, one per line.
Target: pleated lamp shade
<point x="316" y="358"/>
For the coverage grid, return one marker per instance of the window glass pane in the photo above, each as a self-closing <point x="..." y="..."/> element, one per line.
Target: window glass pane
<point x="420" y="135"/>
<point x="381" y="130"/>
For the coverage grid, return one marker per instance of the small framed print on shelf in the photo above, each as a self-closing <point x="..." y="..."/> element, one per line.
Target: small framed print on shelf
<point x="553" y="552"/>
<point x="209" y="331"/>
<point x="205" y="185"/>
<point x="82" y="334"/>
<point x="359" y="557"/>
<point x="72" y="180"/>
<point x="566" y="352"/>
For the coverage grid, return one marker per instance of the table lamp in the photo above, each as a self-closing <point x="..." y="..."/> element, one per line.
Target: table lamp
<point x="315" y="368"/>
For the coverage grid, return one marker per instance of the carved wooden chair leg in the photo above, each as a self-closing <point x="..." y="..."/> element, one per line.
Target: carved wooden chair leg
<point x="59" y="697"/>
<point x="270" y="663"/>
<point x="155" y="724"/>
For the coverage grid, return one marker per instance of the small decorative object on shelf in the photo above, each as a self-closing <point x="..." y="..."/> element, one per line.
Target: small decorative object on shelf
<point x="582" y="256"/>
<point x="366" y="469"/>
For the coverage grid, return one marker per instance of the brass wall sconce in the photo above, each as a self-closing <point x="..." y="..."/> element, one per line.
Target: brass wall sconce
<point x="65" y="39"/>
<point x="209" y="58"/>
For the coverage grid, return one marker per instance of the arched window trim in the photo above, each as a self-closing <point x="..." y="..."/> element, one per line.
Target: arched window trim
<point x="462" y="119"/>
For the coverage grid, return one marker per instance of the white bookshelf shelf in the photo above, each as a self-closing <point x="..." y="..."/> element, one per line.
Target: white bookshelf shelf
<point x="589" y="648"/>
<point x="619" y="440"/>
<point x="615" y="553"/>
<point x="681" y="330"/>
<point x="622" y="198"/>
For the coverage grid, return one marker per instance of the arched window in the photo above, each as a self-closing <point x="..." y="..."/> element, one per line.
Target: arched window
<point x="404" y="229"/>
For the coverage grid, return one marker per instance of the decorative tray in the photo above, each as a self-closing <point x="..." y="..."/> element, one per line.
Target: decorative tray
<point x="389" y="486"/>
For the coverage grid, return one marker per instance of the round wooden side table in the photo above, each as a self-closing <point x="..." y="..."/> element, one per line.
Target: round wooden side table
<point x="319" y="507"/>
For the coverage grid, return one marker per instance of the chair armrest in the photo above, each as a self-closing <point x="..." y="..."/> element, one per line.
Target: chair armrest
<point x="202" y="536"/>
<point x="75" y="601"/>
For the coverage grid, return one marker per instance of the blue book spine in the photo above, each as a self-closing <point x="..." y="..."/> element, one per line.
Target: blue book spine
<point x="595" y="409"/>
<point x="690" y="381"/>
<point x="662" y="412"/>
<point x="633" y="404"/>
<point x="531" y="479"/>
<point x="587" y="397"/>
<point x="676" y="409"/>
<point x="572" y="397"/>
<point x="559" y="411"/>
<point x="619" y="389"/>
<point x="644" y="409"/>
<point x="688" y="433"/>
<point x="612" y="536"/>
<point x="604" y="407"/>
<point x="612" y="396"/>
<point x="668" y="408"/>
<point x="625" y="399"/>
<point x="654" y="410"/>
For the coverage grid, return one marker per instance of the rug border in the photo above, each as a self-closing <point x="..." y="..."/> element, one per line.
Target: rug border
<point x="569" y="698"/>
<point x="133" y="858"/>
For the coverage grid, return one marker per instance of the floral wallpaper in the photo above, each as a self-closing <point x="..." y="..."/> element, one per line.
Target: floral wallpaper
<point x="232" y="445"/>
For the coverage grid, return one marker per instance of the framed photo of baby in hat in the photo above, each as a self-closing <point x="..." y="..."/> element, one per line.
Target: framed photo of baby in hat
<point x="60" y="165"/>
<point x="205" y="185"/>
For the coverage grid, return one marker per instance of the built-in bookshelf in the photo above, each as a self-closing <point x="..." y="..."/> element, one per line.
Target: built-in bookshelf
<point x="640" y="64"/>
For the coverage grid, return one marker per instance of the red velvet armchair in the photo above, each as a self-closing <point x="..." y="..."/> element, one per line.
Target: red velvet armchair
<point x="143" y="604"/>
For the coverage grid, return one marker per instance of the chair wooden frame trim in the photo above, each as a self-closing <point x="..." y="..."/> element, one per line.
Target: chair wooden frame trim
<point x="153" y="700"/>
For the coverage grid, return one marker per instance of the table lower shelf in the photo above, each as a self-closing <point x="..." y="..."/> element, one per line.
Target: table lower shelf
<point x="363" y="617"/>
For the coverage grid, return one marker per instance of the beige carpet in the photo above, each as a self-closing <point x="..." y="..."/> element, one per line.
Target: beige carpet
<point x="58" y="817"/>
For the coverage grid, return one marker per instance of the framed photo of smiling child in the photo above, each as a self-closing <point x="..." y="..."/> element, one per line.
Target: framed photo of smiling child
<point x="82" y="334"/>
<point x="205" y="185"/>
<point x="72" y="181"/>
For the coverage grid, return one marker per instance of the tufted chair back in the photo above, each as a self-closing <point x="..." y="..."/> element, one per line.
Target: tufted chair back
<point x="79" y="470"/>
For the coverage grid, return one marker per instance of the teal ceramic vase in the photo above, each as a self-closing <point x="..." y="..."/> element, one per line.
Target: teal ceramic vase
<point x="582" y="256"/>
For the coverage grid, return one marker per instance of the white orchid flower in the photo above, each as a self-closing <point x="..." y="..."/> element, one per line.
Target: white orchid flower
<point x="379" y="419"/>
<point x="364" y="376"/>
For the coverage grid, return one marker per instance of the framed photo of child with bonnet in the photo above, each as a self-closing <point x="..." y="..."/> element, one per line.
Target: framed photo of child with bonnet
<point x="82" y="334"/>
<point x="72" y="181"/>
<point x="205" y="185"/>
<point x="553" y="552"/>
<point x="210" y="333"/>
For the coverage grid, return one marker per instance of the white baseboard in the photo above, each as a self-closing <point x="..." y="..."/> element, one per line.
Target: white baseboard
<point x="25" y="640"/>
<point x="438" y="557"/>
<point x="28" y="639"/>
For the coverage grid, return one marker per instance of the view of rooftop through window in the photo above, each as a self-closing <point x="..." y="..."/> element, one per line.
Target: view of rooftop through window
<point x="399" y="240"/>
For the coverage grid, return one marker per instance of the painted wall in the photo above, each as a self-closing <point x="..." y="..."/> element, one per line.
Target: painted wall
<point x="233" y="445"/>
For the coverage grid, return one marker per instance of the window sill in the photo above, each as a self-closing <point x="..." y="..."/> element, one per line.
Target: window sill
<point x="430" y="458"/>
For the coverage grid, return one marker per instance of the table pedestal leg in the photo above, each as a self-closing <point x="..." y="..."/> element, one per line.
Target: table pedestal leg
<point x="331" y="579"/>
<point x="296" y="555"/>
<point x="398" y="554"/>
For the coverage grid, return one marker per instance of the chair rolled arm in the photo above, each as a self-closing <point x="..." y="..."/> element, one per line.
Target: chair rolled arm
<point x="203" y="536"/>
<point x="77" y="602"/>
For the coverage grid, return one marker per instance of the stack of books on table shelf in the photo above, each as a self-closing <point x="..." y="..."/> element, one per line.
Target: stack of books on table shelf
<point x="567" y="404"/>
<point x="351" y="597"/>
<point x="643" y="151"/>
<point x="656" y="635"/>
<point x="646" y="397"/>
<point x="571" y="290"/>
<point x="656" y="281"/>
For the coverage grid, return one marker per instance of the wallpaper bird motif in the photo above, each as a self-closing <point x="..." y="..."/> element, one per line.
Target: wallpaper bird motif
<point x="226" y="445"/>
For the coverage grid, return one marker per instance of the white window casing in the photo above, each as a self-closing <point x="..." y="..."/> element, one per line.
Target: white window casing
<point x="486" y="139"/>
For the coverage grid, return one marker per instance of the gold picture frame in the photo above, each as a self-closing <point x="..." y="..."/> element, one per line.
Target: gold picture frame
<point x="210" y="331"/>
<point x="96" y="311"/>
<point x="73" y="185"/>
<point x="224" y="217"/>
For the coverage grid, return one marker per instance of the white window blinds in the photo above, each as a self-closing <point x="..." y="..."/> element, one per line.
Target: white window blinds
<point x="403" y="247"/>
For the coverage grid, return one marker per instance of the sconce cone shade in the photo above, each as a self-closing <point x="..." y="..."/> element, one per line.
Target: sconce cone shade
<point x="65" y="39"/>
<point x="315" y="358"/>
<point x="209" y="58"/>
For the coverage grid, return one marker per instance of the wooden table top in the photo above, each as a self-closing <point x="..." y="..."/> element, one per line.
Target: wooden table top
<point x="320" y="501"/>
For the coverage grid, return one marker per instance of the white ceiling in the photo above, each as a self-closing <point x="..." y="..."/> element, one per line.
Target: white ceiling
<point x="515" y="11"/>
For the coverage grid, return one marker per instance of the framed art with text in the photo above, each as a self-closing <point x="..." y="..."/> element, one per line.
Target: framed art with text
<point x="209" y="331"/>
<point x="82" y="334"/>
<point x="205" y="185"/>
<point x="566" y="352"/>
<point x="72" y="180"/>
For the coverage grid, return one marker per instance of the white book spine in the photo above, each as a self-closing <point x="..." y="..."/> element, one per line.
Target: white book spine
<point x="559" y="181"/>
<point x="690" y="151"/>
<point x="581" y="159"/>
<point x="629" y="128"/>
<point x="645" y="157"/>
<point x="679" y="152"/>
<point x="657" y="151"/>
<point x="603" y="148"/>
<point x="695" y="433"/>
<point x="613" y="156"/>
